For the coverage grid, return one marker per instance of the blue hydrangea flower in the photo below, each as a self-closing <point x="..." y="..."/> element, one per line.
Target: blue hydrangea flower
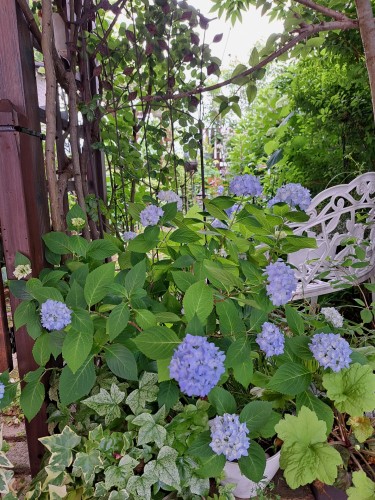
<point x="245" y="185"/>
<point x="170" y="197"/>
<point x="2" y="390"/>
<point x="220" y="190"/>
<point x="331" y="351"/>
<point x="150" y="216"/>
<point x="232" y="210"/>
<point x="281" y="283"/>
<point x="293" y="194"/>
<point x="229" y="437"/>
<point x="55" y="315"/>
<point x="197" y="365"/>
<point x="129" y="235"/>
<point x="271" y="340"/>
<point x="217" y="224"/>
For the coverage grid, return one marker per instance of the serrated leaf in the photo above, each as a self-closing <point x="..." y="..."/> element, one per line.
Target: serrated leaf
<point x="117" y="320"/>
<point x="98" y="283"/>
<point x="252" y="466"/>
<point x="73" y="386"/>
<point x="294" y="320"/>
<point x="157" y="343"/>
<point x="230" y="321"/>
<point x="31" y="399"/>
<point x="363" y="489"/>
<point x="101" y="249"/>
<point x="198" y="301"/>
<point x="222" y="400"/>
<point x="323" y="411"/>
<point x="76" y="347"/>
<point x="183" y="280"/>
<point x="255" y="414"/>
<point x="136" y="277"/>
<point x="42" y="349"/>
<point x="168" y="394"/>
<point x="25" y="312"/>
<point x="290" y="379"/>
<point x="121" y="361"/>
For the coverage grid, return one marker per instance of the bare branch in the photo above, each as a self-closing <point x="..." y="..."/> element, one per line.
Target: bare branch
<point x="302" y="34"/>
<point x="334" y="14"/>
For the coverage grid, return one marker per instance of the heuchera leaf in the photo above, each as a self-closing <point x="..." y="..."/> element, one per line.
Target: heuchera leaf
<point x="363" y="489"/>
<point x="352" y="389"/>
<point x="305" y="454"/>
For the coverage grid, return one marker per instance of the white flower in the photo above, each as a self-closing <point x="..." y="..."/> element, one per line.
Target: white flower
<point x="78" y="222"/>
<point x="221" y="252"/>
<point x="333" y="316"/>
<point x="22" y="271"/>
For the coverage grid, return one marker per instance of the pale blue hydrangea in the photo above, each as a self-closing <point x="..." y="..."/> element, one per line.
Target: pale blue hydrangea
<point x="170" y="197"/>
<point x="333" y="316"/>
<point x="331" y="351"/>
<point x="229" y="437"/>
<point x="217" y="224"/>
<point x="220" y="190"/>
<point x="129" y="235"/>
<point x="271" y="340"/>
<point x="151" y="215"/>
<point x="245" y="185"/>
<point x="197" y="365"/>
<point x="282" y="282"/>
<point x="293" y="194"/>
<point x="233" y="210"/>
<point x="55" y="315"/>
<point x="2" y="390"/>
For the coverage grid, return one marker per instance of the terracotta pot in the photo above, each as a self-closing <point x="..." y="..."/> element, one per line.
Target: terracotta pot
<point x="246" y="488"/>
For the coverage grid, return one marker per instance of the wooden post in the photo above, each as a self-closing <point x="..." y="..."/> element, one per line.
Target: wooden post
<point x="6" y="361"/>
<point x="23" y="200"/>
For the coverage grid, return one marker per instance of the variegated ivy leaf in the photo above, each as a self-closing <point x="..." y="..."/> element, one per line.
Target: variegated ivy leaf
<point x="117" y="475"/>
<point x="56" y="492"/>
<point x="61" y="446"/>
<point x="352" y="389"/>
<point x="106" y="404"/>
<point x="150" y="431"/>
<point x="87" y="464"/>
<point x="119" y="495"/>
<point x="140" y="486"/>
<point x="147" y="393"/>
<point x="4" y="461"/>
<point x="4" y="481"/>
<point x="100" y="490"/>
<point x="164" y="467"/>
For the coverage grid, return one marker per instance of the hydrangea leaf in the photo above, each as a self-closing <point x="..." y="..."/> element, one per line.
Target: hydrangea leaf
<point x="32" y="397"/>
<point x="149" y="431"/>
<point x="291" y="379"/>
<point x="255" y="415"/>
<point x="61" y="446"/>
<point x="198" y="301"/>
<point x="87" y="464"/>
<point x="76" y="347"/>
<point x="106" y="404"/>
<point x="352" y="389"/>
<point x="164" y="467"/>
<point x="362" y="428"/>
<point x="363" y="489"/>
<point x="253" y="465"/>
<point x="305" y="455"/>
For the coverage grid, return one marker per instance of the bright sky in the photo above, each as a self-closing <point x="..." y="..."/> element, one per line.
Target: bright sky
<point x="237" y="41"/>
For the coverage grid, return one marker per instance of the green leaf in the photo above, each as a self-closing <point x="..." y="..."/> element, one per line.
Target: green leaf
<point x="117" y="320"/>
<point x="43" y="293"/>
<point x="185" y="235"/>
<point x="98" y="283"/>
<point x="229" y="317"/>
<point x="121" y="361"/>
<point x="255" y="414"/>
<point x="361" y="427"/>
<point x="183" y="280"/>
<point x="222" y="400"/>
<point x="75" y="212"/>
<point x="136" y="277"/>
<point x="221" y="278"/>
<point x="239" y="359"/>
<point x="366" y="316"/>
<point x="73" y="386"/>
<point x="149" y="431"/>
<point x="145" y="242"/>
<point x="106" y="404"/>
<point x="323" y="411"/>
<point x="305" y="454"/>
<point x="146" y="393"/>
<point x="42" y="349"/>
<point x="294" y="320"/>
<point x="363" y="489"/>
<point x="60" y="446"/>
<point x="290" y="379"/>
<point x="86" y="465"/>
<point x="118" y="475"/>
<point x="253" y="465"/>
<point x="76" y="347"/>
<point x="145" y="319"/>
<point x="251" y="92"/>
<point x="75" y="297"/>
<point x="57" y="242"/>
<point x="164" y="467"/>
<point x="25" y="312"/>
<point x="32" y="397"/>
<point x="198" y="301"/>
<point x="351" y="389"/>
<point x="101" y="249"/>
<point x="157" y="343"/>
<point x="168" y="394"/>
<point x="82" y="321"/>
<point x="21" y="260"/>
<point x="18" y="289"/>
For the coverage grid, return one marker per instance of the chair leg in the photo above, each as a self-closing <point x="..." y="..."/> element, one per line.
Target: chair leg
<point x="313" y="304"/>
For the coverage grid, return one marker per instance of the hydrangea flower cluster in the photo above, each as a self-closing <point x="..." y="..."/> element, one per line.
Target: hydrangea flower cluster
<point x="217" y="224"/>
<point x="232" y="210"/>
<point x="78" y="222"/>
<point x="220" y="190"/>
<point x="197" y="365"/>
<point x="150" y="216"/>
<point x="129" y="235"/>
<point x="22" y="271"/>
<point x="293" y="194"/>
<point x="281" y="282"/>
<point x="55" y="315"/>
<point x="2" y="390"/>
<point x="170" y="197"/>
<point x="333" y="316"/>
<point x="271" y="340"/>
<point x="245" y="185"/>
<point x="331" y="351"/>
<point x="229" y="437"/>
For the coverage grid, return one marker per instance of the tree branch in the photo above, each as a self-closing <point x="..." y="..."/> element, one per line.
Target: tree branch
<point x="303" y="33"/>
<point x="334" y="14"/>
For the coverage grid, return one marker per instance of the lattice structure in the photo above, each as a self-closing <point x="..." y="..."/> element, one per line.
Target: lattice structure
<point x="337" y="215"/>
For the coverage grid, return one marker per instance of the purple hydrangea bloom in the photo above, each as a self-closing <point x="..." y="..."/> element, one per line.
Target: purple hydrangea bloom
<point x="220" y="190"/>
<point x="331" y="351"/>
<point x="229" y="437"/>
<point x="217" y="224"/>
<point x="150" y="216"/>
<point x="245" y="185"/>
<point x="293" y="194"/>
<point x="55" y="315"/>
<point x="129" y="235"/>
<point x="2" y="390"/>
<point x="281" y="283"/>
<point x="232" y="210"/>
<point x="197" y="365"/>
<point x="271" y="340"/>
<point x="170" y="197"/>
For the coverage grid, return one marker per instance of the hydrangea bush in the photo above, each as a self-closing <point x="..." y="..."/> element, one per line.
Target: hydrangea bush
<point x="182" y="349"/>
